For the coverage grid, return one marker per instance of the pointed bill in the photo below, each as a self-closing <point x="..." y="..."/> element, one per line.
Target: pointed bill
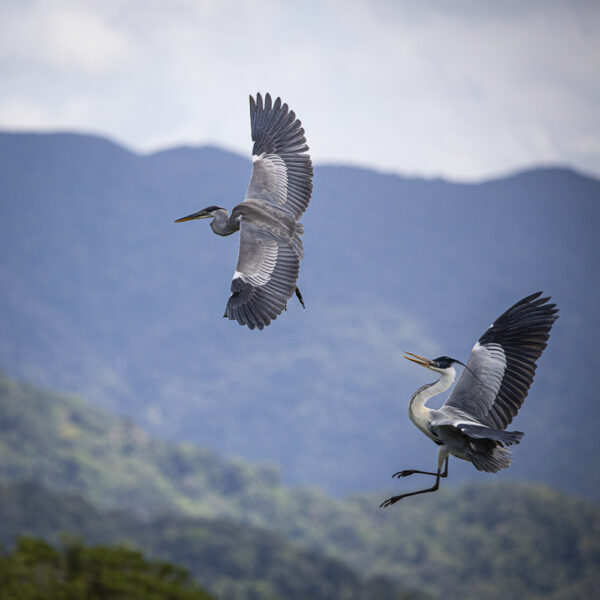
<point x="197" y="215"/>
<point x="419" y="360"/>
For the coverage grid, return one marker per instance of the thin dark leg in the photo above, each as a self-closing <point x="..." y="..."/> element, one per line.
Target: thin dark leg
<point x="299" y="296"/>
<point x="435" y="487"/>
<point x="408" y="472"/>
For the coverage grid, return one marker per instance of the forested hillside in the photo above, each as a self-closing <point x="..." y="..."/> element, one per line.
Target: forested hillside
<point x="242" y="531"/>
<point x="234" y="560"/>
<point x="103" y="295"/>
<point x="35" y="570"/>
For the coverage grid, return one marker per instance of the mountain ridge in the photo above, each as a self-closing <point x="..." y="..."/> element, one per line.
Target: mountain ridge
<point x="203" y="149"/>
<point x="105" y="297"/>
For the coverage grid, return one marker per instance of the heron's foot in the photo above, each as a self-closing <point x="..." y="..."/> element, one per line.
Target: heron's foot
<point x="404" y="473"/>
<point x="390" y="501"/>
<point x="299" y="296"/>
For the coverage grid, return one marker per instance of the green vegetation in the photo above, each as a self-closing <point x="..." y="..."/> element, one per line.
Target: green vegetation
<point x="68" y="446"/>
<point x="37" y="571"/>
<point x="233" y="560"/>
<point x="231" y="523"/>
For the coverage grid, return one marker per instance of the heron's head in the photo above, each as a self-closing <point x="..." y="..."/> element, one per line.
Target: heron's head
<point x="206" y="213"/>
<point x="441" y="364"/>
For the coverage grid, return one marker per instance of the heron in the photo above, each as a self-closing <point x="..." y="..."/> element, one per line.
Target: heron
<point x="270" y="244"/>
<point x="471" y="424"/>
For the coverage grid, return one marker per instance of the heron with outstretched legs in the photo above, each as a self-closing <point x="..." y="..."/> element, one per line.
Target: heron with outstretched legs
<point x="472" y="422"/>
<point x="270" y="248"/>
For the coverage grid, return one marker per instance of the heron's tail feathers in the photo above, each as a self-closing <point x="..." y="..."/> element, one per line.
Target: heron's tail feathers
<point x="492" y="462"/>
<point x="487" y="447"/>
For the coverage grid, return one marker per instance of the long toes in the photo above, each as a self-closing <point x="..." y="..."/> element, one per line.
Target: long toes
<point x="404" y="473"/>
<point x="389" y="501"/>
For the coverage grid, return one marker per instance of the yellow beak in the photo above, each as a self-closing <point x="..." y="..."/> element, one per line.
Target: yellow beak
<point x="420" y="360"/>
<point x="197" y="215"/>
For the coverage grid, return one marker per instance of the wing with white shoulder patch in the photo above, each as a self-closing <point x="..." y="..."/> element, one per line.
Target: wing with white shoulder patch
<point x="257" y="254"/>
<point x="502" y="364"/>
<point x="282" y="171"/>
<point x="264" y="279"/>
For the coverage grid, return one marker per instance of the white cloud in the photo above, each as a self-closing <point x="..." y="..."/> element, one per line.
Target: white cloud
<point x="463" y="92"/>
<point x="21" y="109"/>
<point x="66" y="36"/>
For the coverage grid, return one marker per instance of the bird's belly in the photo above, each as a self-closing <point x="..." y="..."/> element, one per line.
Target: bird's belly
<point x="457" y="447"/>
<point x="452" y="439"/>
<point x="460" y="454"/>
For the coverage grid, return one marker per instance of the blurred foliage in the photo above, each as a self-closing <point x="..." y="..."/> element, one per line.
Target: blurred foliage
<point x="233" y="560"/>
<point x="35" y="570"/>
<point x="500" y="540"/>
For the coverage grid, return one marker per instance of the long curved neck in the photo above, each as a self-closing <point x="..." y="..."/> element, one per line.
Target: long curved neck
<point x="223" y="224"/>
<point x="417" y="411"/>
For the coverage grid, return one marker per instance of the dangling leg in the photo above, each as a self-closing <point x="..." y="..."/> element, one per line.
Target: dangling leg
<point x="442" y="457"/>
<point x="408" y="472"/>
<point x="299" y="296"/>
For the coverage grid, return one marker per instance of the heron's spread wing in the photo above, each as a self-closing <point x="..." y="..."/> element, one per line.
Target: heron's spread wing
<point x="264" y="279"/>
<point x="282" y="172"/>
<point x="502" y="363"/>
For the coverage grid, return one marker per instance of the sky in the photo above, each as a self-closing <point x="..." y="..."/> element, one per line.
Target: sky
<point x="464" y="90"/>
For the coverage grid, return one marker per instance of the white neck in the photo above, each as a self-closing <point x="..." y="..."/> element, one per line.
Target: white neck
<point x="417" y="411"/>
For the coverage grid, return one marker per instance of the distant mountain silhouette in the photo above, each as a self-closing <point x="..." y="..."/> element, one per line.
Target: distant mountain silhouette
<point x="104" y="295"/>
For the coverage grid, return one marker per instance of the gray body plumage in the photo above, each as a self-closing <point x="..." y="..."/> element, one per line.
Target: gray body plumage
<point x="278" y="193"/>
<point x="471" y="424"/>
<point x="270" y="247"/>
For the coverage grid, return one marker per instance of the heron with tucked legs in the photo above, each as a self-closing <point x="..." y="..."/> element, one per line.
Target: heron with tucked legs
<point x="472" y="422"/>
<point x="270" y="248"/>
